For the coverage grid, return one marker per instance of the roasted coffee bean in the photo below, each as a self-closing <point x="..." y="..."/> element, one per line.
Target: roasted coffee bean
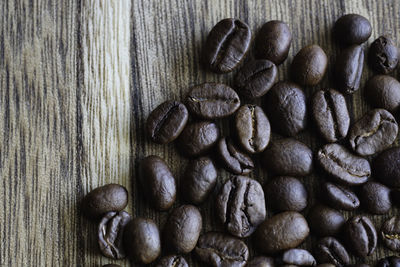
<point x="226" y="45"/>
<point x="198" y="138"/>
<point x="166" y="122"/>
<point x="199" y="180"/>
<point x="220" y="250"/>
<point x="233" y="159"/>
<point x="383" y="55"/>
<point x="110" y="234"/>
<point x="330" y="113"/>
<point x="385" y="166"/>
<point x="360" y="235"/>
<point x="390" y="233"/>
<point x="375" y="198"/>
<point x="352" y="29"/>
<point x="288" y="157"/>
<point x="391" y="261"/>
<point x="348" y="69"/>
<point x="261" y="261"/>
<point x="158" y="183"/>
<point x="241" y="205"/>
<point x="182" y="229"/>
<point x="325" y="221"/>
<point x="273" y="41"/>
<point x="343" y="166"/>
<point x="142" y="240"/>
<point x="212" y="101"/>
<point x="340" y="197"/>
<point x="299" y="257"/>
<point x="330" y="250"/>
<point x="374" y="132"/>
<point x="253" y="128"/>
<point x="286" y="194"/>
<point x="286" y="108"/>
<point x="383" y="91"/>
<point x="103" y="199"/>
<point x="283" y="231"/>
<point x="172" y="261"/>
<point x="309" y="65"/>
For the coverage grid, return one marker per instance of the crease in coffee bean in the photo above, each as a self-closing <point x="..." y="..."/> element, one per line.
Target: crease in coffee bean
<point x="253" y="123"/>
<point x="257" y="74"/>
<point x="226" y="100"/>
<point x="243" y="162"/>
<point x="223" y="47"/>
<point x="346" y="167"/>
<point x="228" y="206"/>
<point x="377" y="128"/>
<point x="164" y="119"/>
<point x="220" y="255"/>
<point x="331" y="251"/>
<point x="331" y="109"/>
<point x="247" y="217"/>
<point x="392" y="236"/>
<point x="369" y="233"/>
<point x="109" y="244"/>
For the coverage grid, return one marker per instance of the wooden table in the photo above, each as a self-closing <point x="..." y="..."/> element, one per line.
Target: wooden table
<point x="78" y="79"/>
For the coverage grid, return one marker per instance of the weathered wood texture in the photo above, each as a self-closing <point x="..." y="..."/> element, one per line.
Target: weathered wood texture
<point x="78" y="79"/>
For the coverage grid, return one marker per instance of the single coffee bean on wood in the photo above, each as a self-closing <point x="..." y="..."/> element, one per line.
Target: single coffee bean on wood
<point x="383" y="55"/>
<point x="352" y="29"/>
<point x="330" y="250"/>
<point x="383" y="91"/>
<point x="325" y="221"/>
<point x="386" y="167"/>
<point x="298" y="257"/>
<point x="172" y="261"/>
<point x="348" y="69"/>
<point x="390" y="233"/>
<point x="233" y="159"/>
<point x="360" y="235"/>
<point x="340" y="197"/>
<point x="391" y="261"/>
<point x="375" y="198"/>
<point x="261" y="261"/>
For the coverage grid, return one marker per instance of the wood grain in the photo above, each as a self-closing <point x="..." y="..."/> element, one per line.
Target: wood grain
<point x="78" y="78"/>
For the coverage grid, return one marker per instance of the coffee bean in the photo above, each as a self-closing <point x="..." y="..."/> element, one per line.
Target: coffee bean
<point x="261" y="261"/>
<point x="103" y="199"/>
<point x="330" y="114"/>
<point x="309" y="65"/>
<point x="352" y="29"/>
<point x="172" y="261"/>
<point x="226" y="45"/>
<point x="256" y="78"/>
<point x="241" y="205"/>
<point x="198" y="138"/>
<point x="390" y="233"/>
<point x="182" y="229"/>
<point x="288" y="157"/>
<point x="383" y="55"/>
<point x="158" y="183"/>
<point x="325" y="221"/>
<point x="340" y="197"/>
<point x="166" y="122"/>
<point x="286" y="108"/>
<point x="343" y="166"/>
<point x="348" y="69"/>
<point x="199" y="180"/>
<point x="283" y="231"/>
<point x="383" y="91"/>
<point x="391" y="261"/>
<point x="360" y="235"/>
<point x="299" y="257"/>
<point x="233" y="159"/>
<point x="253" y="128"/>
<point x="142" y="240"/>
<point x="273" y="41"/>
<point x="375" y="198"/>
<point x="374" y="132"/>
<point x="286" y="194"/>
<point x="110" y="234"/>
<point x="325" y="265"/>
<point x="220" y="250"/>
<point x="330" y="250"/>
<point x="385" y="166"/>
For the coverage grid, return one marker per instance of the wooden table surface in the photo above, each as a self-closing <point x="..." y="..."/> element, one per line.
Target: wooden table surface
<point x="78" y="79"/>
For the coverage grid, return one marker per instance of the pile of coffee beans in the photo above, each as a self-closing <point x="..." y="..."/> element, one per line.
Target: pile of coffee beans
<point x="357" y="158"/>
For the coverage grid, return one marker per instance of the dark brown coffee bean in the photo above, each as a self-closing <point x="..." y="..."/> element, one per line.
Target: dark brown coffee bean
<point x="383" y="91"/>
<point x="199" y="180"/>
<point x="383" y="55"/>
<point x="343" y="166"/>
<point x="374" y="132"/>
<point x="158" y="183"/>
<point x="103" y="199"/>
<point x="286" y="194"/>
<point x="256" y="78"/>
<point x="182" y="229"/>
<point x="330" y="250"/>
<point x="212" y="101"/>
<point x="309" y="65"/>
<point x="226" y="45"/>
<point x="298" y="257"/>
<point x="172" y="261"/>
<point x="288" y="157"/>
<point x="142" y="240"/>
<point x="253" y="128"/>
<point x="220" y="250"/>
<point x="375" y="198"/>
<point x="348" y="69"/>
<point x="198" y="138"/>
<point x="352" y="29"/>
<point x="360" y="235"/>
<point x="391" y="261"/>
<point x="233" y="159"/>
<point x="340" y="197"/>
<point x="325" y="221"/>
<point x="273" y="41"/>
<point x="261" y="261"/>
<point x="166" y="122"/>
<point x="241" y="205"/>
<point x="110" y="234"/>
<point x="330" y="113"/>
<point x="385" y="166"/>
<point x="283" y="231"/>
<point x="390" y="233"/>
